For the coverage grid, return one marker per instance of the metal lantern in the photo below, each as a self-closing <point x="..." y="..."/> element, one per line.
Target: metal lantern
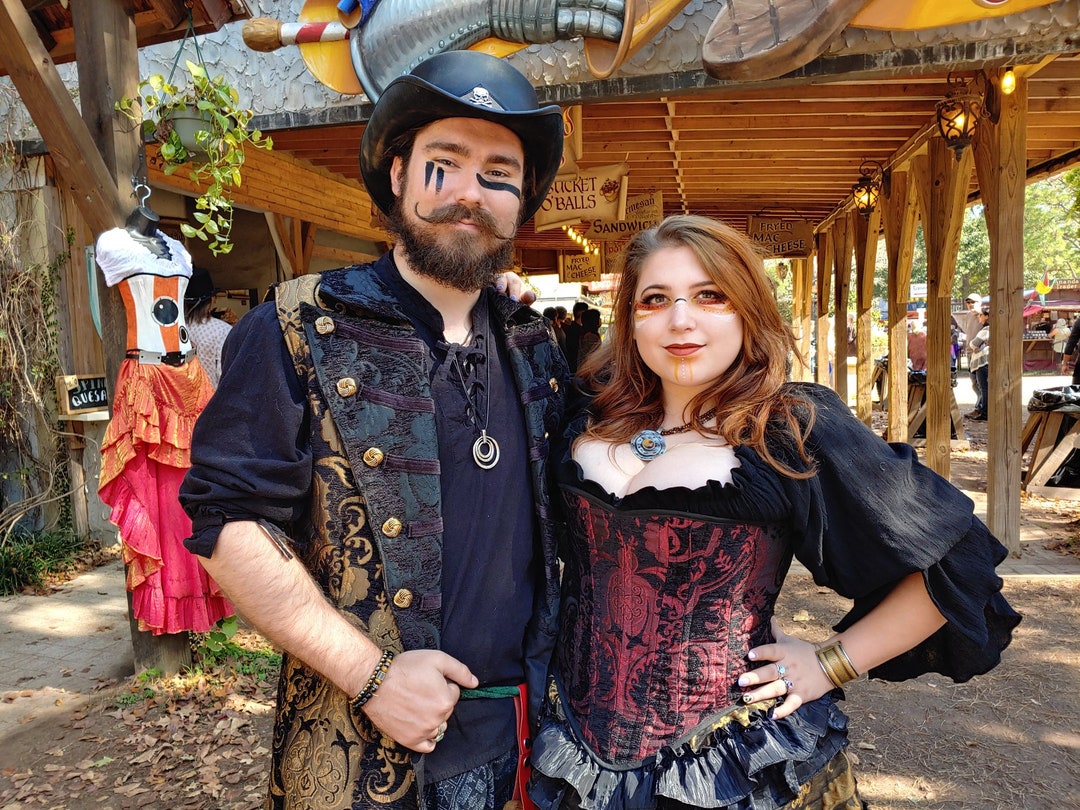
<point x="958" y="114"/>
<point x="867" y="190"/>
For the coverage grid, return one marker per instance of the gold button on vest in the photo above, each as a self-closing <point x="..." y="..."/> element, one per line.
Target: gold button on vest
<point x="554" y="385"/>
<point x="373" y="456"/>
<point x="324" y="325"/>
<point x="392" y="527"/>
<point x="346" y="386"/>
<point x="403" y="598"/>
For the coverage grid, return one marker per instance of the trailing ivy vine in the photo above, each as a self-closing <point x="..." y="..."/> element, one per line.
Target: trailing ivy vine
<point x="34" y="488"/>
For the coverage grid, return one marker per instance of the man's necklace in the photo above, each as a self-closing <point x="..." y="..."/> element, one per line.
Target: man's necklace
<point x="650" y="444"/>
<point x="485" y="450"/>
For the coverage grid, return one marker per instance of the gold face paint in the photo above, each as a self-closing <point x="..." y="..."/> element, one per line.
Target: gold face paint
<point x="684" y="370"/>
<point x="643" y="310"/>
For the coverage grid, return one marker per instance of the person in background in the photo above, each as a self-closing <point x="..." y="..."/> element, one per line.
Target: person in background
<point x="968" y="321"/>
<point x="590" y="334"/>
<point x="691" y="473"/>
<point x="573" y="334"/>
<point x="916" y="346"/>
<point x="552" y="314"/>
<point x="369" y="483"/>
<point x="1059" y="337"/>
<point x="980" y="366"/>
<point x="207" y="333"/>
<point x="1070" y="349"/>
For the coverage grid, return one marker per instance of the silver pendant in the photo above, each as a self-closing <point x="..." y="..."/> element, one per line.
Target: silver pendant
<point x="485" y="451"/>
<point x="648" y="444"/>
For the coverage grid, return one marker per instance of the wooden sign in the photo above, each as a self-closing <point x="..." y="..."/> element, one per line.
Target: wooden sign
<point x="782" y="237"/>
<point x="579" y="267"/>
<point x="571" y="121"/>
<point x="642" y="212"/>
<point x="76" y="393"/>
<point x="592" y="194"/>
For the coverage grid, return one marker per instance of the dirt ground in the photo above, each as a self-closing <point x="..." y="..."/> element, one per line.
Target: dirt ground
<point x="1008" y="739"/>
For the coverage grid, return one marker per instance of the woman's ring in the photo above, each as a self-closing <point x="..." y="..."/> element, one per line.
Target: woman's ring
<point x="789" y="684"/>
<point x="781" y="670"/>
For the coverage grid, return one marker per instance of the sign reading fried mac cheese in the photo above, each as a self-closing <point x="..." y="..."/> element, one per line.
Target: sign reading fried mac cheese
<point x="579" y="267"/>
<point x="588" y="195"/>
<point x="782" y="237"/>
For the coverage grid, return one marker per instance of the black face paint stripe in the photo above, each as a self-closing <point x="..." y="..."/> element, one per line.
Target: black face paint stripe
<point x="440" y="175"/>
<point x="429" y="167"/>
<point x="483" y="181"/>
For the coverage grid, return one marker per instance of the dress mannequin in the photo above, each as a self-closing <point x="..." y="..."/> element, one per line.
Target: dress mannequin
<point x="160" y="390"/>
<point x="142" y="225"/>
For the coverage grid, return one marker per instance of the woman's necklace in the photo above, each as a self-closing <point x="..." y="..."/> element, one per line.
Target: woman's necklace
<point x="485" y="450"/>
<point x="650" y="444"/>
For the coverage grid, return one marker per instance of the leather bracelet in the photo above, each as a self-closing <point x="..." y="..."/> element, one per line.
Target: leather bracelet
<point x="835" y="664"/>
<point x="373" y="682"/>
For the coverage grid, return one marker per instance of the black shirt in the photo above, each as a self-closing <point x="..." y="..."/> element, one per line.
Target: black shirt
<point x="250" y="460"/>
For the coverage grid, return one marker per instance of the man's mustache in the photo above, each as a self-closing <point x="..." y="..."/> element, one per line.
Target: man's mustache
<point x="456" y="212"/>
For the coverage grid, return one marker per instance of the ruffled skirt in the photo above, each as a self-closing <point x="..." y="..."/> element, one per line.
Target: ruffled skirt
<point x="144" y="456"/>
<point x="740" y="759"/>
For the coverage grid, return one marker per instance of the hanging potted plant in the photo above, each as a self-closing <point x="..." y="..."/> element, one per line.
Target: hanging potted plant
<point x="204" y="132"/>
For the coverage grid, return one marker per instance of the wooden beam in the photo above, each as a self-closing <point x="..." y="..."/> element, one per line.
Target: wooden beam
<point x="825" y="253"/>
<point x="842" y="230"/>
<point x="999" y="164"/>
<point x="899" y="217"/>
<point x="78" y="162"/>
<point x="277" y="182"/>
<point x="865" y="242"/>
<point x="170" y="12"/>
<point x="948" y="185"/>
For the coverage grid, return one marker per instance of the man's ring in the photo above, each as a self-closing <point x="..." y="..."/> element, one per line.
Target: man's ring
<point x="781" y="670"/>
<point x="440" y="732"/>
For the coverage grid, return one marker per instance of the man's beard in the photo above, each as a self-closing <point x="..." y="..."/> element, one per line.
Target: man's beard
<point x="464" y="261"/>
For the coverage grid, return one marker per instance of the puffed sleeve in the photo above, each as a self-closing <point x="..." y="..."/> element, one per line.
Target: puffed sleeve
<point x="250" y="458"/>
<point x="874" y="514"/>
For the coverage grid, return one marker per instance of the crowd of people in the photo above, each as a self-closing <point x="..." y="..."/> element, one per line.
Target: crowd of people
<point x="470" y="527"/>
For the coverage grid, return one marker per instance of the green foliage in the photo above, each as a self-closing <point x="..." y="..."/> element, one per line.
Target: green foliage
<point x="136" y="696"/>
<point x="1051" y="231"/>
<point x="34" y="451"/>
<point x="218" y="156"/>
<point x="28" y="557"/>
<point x="217" y="650"/>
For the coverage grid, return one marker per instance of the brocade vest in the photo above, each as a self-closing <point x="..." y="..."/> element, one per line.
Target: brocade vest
<point x="373" y="534"/>
<point x="668" y="606"/>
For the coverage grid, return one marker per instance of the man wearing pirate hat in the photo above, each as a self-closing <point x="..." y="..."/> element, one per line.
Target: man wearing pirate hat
<point x="378" y="507"/>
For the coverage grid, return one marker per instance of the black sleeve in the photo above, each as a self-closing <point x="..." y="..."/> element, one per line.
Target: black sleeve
<point x="1074" y="338"/>
<point x="874" y="514"/>
<point x="250" y="458"/>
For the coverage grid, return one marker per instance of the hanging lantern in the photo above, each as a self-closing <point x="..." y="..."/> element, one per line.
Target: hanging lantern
<point x="865" y="192"/>
<point x="958" y="114"/>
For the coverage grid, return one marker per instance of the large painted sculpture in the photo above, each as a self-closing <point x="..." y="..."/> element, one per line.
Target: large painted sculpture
<point x="160" y="391"/>
<point x="361" y="45"/>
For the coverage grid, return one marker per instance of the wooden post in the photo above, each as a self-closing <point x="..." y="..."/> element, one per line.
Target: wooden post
<point x="899" y="214"/>
<point x="824" y="253"/>
<point x="999" y="164"/>
<point x="800" y="315"/>
<point x="866" y="232"/>
<point x="943" y="194"/>
<point x="108" y="69"/>
<point x="842" y="257"/>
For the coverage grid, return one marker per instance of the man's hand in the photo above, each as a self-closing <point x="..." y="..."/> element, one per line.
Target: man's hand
<point x="511" y="284"/>
<point x="417" y="697"/>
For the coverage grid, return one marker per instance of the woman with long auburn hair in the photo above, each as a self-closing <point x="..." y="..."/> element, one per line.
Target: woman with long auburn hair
<point x="691" y="473"/>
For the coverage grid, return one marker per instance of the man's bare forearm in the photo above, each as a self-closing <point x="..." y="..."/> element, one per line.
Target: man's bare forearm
<point x="280" y="599"/>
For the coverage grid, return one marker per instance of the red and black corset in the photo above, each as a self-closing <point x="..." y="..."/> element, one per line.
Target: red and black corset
<point x="666" y="608"/>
